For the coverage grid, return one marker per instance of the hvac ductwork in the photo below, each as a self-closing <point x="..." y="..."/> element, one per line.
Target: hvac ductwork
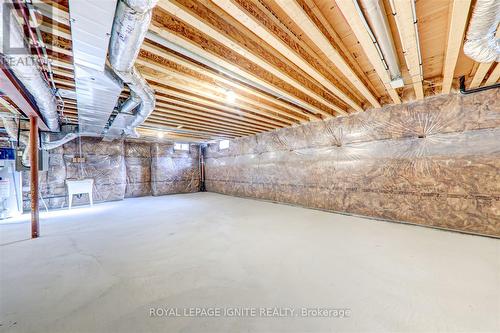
<point x="130" y="26"/>
<point x="11" y="125"/>
<point x="97" y="88"/>
<point x="481" y="44"/>
<point x="25" y="67"/>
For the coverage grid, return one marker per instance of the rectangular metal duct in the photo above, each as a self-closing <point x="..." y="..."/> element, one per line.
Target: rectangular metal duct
<point x="91" y="23"/>
<point x="97" y="89"/>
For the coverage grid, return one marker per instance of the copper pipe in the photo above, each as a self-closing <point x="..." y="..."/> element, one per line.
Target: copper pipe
<point x="34" y="176"/>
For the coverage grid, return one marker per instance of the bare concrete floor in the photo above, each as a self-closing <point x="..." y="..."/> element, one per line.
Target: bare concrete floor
<point x="102" y="269"/>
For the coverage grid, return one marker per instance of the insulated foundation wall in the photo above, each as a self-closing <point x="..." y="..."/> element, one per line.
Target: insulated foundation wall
<point x="435" y="162"/>
<point x="120" y="169"/>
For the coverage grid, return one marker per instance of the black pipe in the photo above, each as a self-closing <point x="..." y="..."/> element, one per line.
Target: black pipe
<point x="470" y="91"/>
<point x="202" y="167"/>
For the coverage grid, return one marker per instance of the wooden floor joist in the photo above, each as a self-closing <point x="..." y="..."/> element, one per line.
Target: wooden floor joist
<point x="213" y="89"/>
<point x="297" y="14"/>
<point x="202" y="127"/>
<point x="212" y="112"/>
<point x="407" y="27"/>
<point x="192" y="112"/>
<point x="233" y="68"/>
<point x="480" y="74"/>
<point x="184" y="15"/>
<point x="215" y="105"/>
<point x="219" y="105"/>
<point x="348" y="8"/>
<point x="284" y="62"/>
<point x="239" y="106"/>
<point x="339" y="44"/>
<point x="215" y="75"/>
<point x="196" y="124"/>
<point x="257" y="28"/>
<point x="494" y="76"/>
<point x="182" y="115"/>
<point x="192" y="128"/>
<point x="458" y="22"/>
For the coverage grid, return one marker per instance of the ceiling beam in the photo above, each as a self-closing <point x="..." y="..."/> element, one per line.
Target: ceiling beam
<point x="178" y="11"/>
<point x="171" y="109"/>
<point x="263" y="33"/>
<point x="182" y="114"/>
<point x="239" y="114"/>
<point x="216" y="75"/>
<point x="201" y="125"/>
<point x="481" y="72"/>
<point x="494" y="76"/>
<point x="53" y="30"/>
<point x="213" y="112"/>
<point x="190" y="127"/>
<point x="57" y="49"/>
<point x="408" y="34"/>
<point x="184" y="123"/>
<point x="240" y="123"/>
<point x="152" y="133"/>
<point x="215" y="105"/>
<point x="458" y="22"/>
<point x="158" y="84"/>
<point x="338" y="44"/>
<point x="57" y="31"/>
<point x="61" y="64"/>
<point x="212" y="91"/>
<point x="52" y="12"/>
<point x="197" y="49"/>
<point x="350" y="12"/>
<point x="300" y="17"/>
<point x="148" y="47"/>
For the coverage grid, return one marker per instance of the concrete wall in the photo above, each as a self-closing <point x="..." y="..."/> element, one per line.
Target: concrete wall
<point x="435" y="162"/>
<point x="120" y="169"/>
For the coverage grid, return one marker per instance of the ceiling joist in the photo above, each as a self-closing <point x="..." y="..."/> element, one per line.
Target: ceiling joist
<point x="348" y="8"/>
<point x="297" y="14"/>
<point x="286" y="61"/>
<point x="458" y="22"/>
<point x="213" y="34"/>
<point x="260" y="30"/>
<point x="407" y="27"/>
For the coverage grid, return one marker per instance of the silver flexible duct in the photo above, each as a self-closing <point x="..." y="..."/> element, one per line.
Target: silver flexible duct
<point x="57" y="143"/>
<point x="130" y="26"/>
<point x="481" y="45"/>
<point x="25" y="68"/>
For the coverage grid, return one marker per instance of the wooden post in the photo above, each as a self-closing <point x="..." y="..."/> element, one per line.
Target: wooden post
<point x="34" y="176"/>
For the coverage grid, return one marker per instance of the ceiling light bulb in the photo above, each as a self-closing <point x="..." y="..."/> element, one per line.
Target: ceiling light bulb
<point x="160" y="135"/>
